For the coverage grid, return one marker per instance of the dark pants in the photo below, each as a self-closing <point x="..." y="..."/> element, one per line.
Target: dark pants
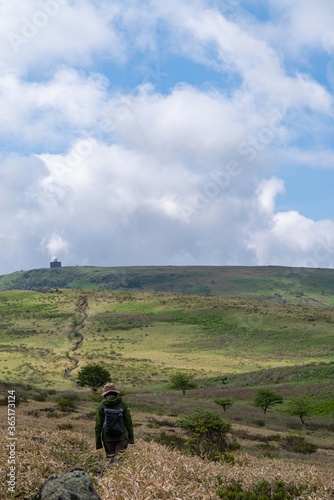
<point x="113" y="449"/>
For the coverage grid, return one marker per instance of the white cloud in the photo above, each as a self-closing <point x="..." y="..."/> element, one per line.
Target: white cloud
<point x="303" y="24"/>
<point x="37" y="35"/>
<point x="259" y="64"/>
<point x="320" y="159"/>
<point x="267" y="192"/>
<point x="140" y="177"/>
<point x="289" y="238"/>
<point x="50" y="113"/>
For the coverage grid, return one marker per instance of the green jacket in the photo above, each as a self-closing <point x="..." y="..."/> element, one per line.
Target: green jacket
<point x="100" y="436"/>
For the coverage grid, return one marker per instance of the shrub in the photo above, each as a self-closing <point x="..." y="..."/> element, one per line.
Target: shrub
<point x="244" y="434"/>
<point x="54" y="414"/>
<point x="228" y="458"/>
<point x="208" y="433"/>
<point x="155" y="422"/>
<point x="262" y="490"/>
<point x="298" y="444"/>
<point x="39" y="396"/>
<point x="66" y="405"/>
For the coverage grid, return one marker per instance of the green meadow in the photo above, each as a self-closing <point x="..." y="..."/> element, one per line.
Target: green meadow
<point x="142" y="337"/>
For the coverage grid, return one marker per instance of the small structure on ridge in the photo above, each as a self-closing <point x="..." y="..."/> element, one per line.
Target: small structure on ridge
<point x="55" y="262"/>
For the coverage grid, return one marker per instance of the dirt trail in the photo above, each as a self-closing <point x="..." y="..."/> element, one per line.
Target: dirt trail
<point x="77" y="326"/>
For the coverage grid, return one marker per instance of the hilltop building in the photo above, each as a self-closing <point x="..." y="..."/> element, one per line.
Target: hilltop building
<point x="55" y="262"/>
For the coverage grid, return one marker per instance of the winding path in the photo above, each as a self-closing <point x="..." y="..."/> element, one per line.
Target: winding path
<point x="82" y="306"/>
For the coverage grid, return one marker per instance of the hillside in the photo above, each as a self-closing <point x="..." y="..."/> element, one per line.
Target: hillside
<point x="271" y="282"/>
<point x="152" y="471"/>
<point x="235" y="330"/>
<point x="142" y="336"/>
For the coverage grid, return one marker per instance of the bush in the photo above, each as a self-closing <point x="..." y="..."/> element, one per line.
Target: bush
<point x="155" y="422"/>
<point x="66" y="405"/>
<point x="39" y="396"/>
<point x="208" y="433"/>
<point x="298" y="444"/>
<point x="54" y="414"/>
<point x="262" y="490"/>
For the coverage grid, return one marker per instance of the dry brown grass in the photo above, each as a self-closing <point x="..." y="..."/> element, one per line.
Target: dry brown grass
<point x="146" y="471"/>
<point x="149" y="470"/>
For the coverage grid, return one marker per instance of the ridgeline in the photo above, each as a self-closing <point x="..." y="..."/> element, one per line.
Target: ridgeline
<point x="268" y="282"/>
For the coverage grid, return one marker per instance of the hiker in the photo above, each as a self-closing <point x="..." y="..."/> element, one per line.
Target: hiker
<point x="113" y="428"/>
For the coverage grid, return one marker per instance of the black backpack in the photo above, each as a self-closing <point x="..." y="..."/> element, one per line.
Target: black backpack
<point x="113" y="420"/>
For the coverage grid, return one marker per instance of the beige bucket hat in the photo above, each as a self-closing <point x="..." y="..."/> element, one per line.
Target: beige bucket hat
<point x="109" y="388"/>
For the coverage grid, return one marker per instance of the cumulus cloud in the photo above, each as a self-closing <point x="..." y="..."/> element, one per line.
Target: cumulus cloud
<point x="104" y="175"/>
<point x="303" y="24"/>
<point x="50" y="113"/>
<point x="38" y="35"/>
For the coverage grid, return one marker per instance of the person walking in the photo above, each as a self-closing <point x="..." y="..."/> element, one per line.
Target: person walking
<point x="113" y="427"/>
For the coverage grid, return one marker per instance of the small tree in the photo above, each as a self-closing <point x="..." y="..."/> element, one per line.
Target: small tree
<point x="300" y="406"/>
<point x="182" y="381"/>
<point x="265" y="399"/>
<point x="93" y="376"/>
<point x="224" y="402"/>
<point x="208" y="433"/>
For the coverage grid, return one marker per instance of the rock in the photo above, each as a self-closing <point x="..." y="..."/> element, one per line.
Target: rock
<point x="47" y="409"/>
<point x="73" y="484"/>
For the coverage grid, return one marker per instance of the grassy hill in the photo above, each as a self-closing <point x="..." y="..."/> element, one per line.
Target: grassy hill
<point x="258" y="327"/>
<point x="271" y="282"/>
<point x="141" y="337"/>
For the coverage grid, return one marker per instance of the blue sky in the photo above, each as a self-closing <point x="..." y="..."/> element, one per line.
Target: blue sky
<point x="191" y="132"/>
